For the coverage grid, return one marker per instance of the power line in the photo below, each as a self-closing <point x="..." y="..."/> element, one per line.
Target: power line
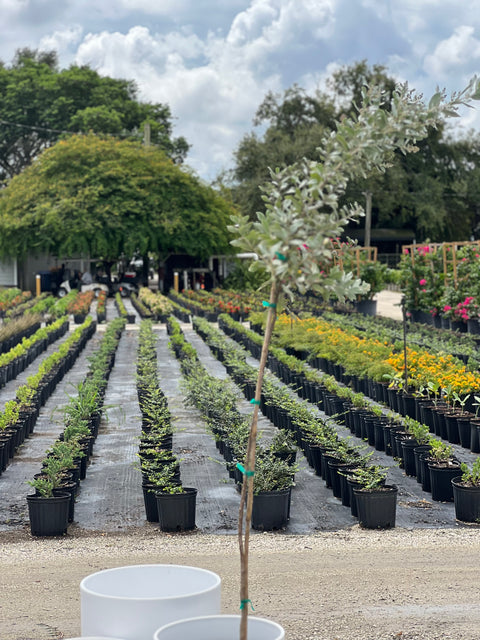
<point x="34" y="128"/>
<point x="62" y="131"/>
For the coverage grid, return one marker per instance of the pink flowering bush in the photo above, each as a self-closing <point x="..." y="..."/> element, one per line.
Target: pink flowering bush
<point x="467" y="309"/>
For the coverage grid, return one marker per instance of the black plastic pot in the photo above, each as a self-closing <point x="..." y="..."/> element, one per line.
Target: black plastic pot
<point x="441" y="481"/>
<point x="352" y="485"/>
<point x="71" y="489"/>
<point x="150" y="502"/>
<point x="271" y="510"/>
<point x="474" y="435"/>
<point x="336" y="467"/>
<point x="48" y="516"/>
<point x="418" y="451"/>
<point x="408" y="453"/>
<point x="176" y="511"/>
<point x="464" y="430"/>
<point x="451" y="424"/>
<point x="466" y="500"/>
<point x="377" y="508"/>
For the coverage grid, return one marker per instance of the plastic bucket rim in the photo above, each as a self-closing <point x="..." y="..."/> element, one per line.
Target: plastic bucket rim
<point x="212" y="587"/>
<point x="229" y="616"/>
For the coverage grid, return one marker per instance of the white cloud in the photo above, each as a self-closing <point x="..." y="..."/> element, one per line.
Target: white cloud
<point x="213" y="101"/>
<point x="155" y="7"/>
<point x="12" y="6"/>
<point x="61" y="40"/>
<point x="458" y="54"/>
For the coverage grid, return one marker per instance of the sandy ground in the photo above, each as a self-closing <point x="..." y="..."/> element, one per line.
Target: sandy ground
<point x="347" y="585"/>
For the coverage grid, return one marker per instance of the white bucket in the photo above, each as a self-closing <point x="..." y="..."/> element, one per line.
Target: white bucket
<point x="222" y="627"/>
<point x="132" y="602"/>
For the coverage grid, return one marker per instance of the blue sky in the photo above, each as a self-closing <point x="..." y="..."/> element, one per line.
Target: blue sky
<point x="213" y="61"/>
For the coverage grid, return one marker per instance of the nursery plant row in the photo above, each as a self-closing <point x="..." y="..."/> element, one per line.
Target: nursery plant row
<point x="17" y="421"/>
<point x="299" y="373"/>
<point x="217" y="401"/>
<point x="401" y="436"/>
<point x="51" y="507"/>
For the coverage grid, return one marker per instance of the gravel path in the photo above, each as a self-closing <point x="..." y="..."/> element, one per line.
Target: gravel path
<point x="345" y="585"/>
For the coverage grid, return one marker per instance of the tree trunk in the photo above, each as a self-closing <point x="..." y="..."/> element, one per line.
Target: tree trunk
<point x="246" y="499"/>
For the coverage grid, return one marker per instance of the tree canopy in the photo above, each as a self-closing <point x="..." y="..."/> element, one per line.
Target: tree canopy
<point x="39" y="102"/>
<point x="432" y="192"/>
<point x="106" y="197"/>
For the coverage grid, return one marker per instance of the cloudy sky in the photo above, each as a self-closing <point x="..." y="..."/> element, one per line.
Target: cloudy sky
<point x="213" y="61"/>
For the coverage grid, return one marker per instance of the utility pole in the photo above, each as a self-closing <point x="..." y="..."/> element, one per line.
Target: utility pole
<point x="368" y="217"/>
<point x="146" y="134"/>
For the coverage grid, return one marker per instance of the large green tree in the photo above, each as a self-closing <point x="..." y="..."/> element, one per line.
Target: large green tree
<point x="38" y="102"/>
<point x="432" y="192"/>
<point x="295" y="125"/>
<point x="108" y="197"/>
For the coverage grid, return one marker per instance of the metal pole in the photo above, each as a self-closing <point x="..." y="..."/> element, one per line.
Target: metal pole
<point x="405" y="368"/>
<point x="368" y="218"/>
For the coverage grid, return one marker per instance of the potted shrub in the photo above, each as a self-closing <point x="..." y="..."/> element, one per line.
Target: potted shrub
<point x="466" y="493"/>
<point x="374" y="273"/>
<point x="176" y="506"/>
<point x="48" y="512"/>
<point x="272" y="485"/>
<point x="283" y="446"/>
<point x="101" y="306"/>
<point x="376" y="501"/>
<point x="443" y="467"/>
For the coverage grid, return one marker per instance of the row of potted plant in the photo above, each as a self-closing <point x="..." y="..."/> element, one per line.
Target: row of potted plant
<point x="19" y="357"/>
<point x="122" y="310"/>
<point x="140" y="307"/>
<point x="166" y="500"/>
<point x="19" y="417"/>
<point x="80" y="306"/>
<point x="51" y="507"/>
<point x="274" y="476"/>
<point x="155" y="303"/>
<point x="369" y="358"/>
<point x="61" y="306"/>
<point x="13" y="332"/>
<point x="440" y="284"/>
<point x="28" y="305"/>
<point x="462" y="346"/>
<point x="43" y="304"/>
<point x="226" y="301"/>
<point x="419" y="453"/>
<point x="318" y="439"/>
<point x="12" y="298"/>
<point x="101" y="306"/>
<point x="195" y="306"/>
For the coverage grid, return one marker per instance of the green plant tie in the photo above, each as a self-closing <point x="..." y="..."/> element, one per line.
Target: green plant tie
<point x="280" y="256"/>
<point x="241" y="468"/>
<point x="272" y="305"/>
<point x="253" y="401"/>
<point x="243" y="604"/>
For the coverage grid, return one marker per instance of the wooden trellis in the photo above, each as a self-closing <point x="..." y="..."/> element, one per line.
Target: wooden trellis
<point x="450" y="258"/>
<point x="449" y="255"/>
<point x="357" y="256"/>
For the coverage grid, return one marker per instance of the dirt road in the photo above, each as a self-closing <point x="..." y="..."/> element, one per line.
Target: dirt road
<point x="348" y="585"/>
